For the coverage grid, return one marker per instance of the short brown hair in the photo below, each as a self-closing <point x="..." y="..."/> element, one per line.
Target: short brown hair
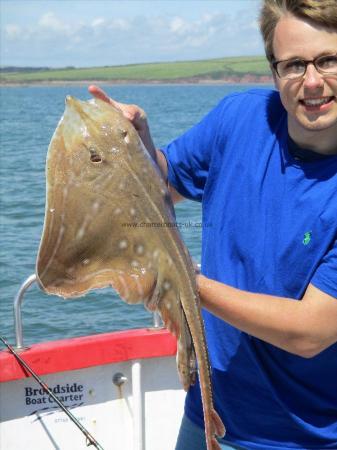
<point x="318" y="12"/>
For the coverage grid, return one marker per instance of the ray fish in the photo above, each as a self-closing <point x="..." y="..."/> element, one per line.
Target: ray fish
<point x="108" y="222"/>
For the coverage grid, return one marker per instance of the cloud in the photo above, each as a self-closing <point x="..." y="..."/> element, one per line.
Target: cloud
<point x="12" y="31"/>
<point x="51" y="22"/>
<point x="134" y="39"/>
<point x="97" y="23"/>
<point x="179" y="26"/>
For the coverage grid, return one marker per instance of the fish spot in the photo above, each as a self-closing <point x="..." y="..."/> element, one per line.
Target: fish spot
<point x="167" y="285"/>
<point x="95" y="206"/>
<point x="80" y="233"/>
<point x="123" y="244"/>
<point x="114" y="150"/>
<point x="117" y="211"/>
<point x="133" y="211"/>
<point x="155" y="254"/>
<point x="86" y="261"/>
<point x="52" y="210"/>
<point x="121" y="185"/>
<point x="135" y="263"/>
<point x="85" y="132"/>
<point x="139" y="249"/>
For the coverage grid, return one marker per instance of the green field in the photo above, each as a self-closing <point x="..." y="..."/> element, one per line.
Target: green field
<point x="212" y="69"/>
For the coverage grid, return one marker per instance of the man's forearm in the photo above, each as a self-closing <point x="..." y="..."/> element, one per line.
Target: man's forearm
<point x="162" y="163"/>
<point x="283" y="322"/>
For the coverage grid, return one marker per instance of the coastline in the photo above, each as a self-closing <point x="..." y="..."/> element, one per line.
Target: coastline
<point x="246" y="79"/>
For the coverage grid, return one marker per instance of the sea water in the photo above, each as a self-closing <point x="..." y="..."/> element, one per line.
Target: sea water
<point x="29" y="116"/>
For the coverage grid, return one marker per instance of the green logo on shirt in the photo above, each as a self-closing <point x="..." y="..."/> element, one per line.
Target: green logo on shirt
<point x="307" y="238"/>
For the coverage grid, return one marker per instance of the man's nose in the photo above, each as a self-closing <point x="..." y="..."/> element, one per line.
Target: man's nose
<point x="312" y="78"/>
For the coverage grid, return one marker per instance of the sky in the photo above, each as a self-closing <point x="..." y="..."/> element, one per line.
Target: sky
<point x="85" y="33"/>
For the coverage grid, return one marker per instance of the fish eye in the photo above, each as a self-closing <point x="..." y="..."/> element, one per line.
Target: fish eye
<point x="94" y="156"/>
<point x="124" y="133"/>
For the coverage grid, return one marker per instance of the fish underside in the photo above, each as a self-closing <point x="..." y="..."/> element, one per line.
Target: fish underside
<point x="108" y="222"/>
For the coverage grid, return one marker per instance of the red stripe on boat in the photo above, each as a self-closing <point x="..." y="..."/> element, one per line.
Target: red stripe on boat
<point x="88" y="351"/>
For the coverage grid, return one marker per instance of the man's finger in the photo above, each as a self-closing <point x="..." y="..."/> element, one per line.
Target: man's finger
<point x="97" y="92"/>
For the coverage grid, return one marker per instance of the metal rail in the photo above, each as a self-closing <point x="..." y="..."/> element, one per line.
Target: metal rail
<point x="18" y="301"/>
<point x="157" y="323"/>
<point x="17" y="310"/>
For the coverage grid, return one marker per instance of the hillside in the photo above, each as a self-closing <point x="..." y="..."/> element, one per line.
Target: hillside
<point x="236" y="69"/>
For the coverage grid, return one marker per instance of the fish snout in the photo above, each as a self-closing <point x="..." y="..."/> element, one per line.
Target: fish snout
<point x="73" y="103"/>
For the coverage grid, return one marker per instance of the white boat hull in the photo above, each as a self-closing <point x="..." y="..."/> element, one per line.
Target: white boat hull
<point x="143" y="413"/>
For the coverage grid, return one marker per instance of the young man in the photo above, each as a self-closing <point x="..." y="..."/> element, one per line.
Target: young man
<point x="264" y="165"/>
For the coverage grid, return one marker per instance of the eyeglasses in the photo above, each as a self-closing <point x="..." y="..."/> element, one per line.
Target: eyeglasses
<point x="293" y="69"/>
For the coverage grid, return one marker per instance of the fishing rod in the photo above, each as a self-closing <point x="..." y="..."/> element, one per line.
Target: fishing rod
<point x="90" y="439"/>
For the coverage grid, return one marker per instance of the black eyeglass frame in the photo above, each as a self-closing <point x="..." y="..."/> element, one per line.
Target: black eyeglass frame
<point x="306" y="62"/>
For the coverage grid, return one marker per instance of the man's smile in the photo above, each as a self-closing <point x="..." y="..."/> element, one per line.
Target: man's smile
<point x="317" y="103"/>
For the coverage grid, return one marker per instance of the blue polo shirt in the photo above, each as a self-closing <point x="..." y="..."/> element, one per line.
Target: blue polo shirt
<point x="270" y="227"/>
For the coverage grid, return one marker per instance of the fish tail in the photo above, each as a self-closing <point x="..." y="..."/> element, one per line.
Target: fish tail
<point x="219" y="427"/>
<point x="212" y="428"/>
<point x="215" y="444"/>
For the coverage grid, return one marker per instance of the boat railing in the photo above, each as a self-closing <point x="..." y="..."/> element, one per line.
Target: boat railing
<point x="18" y="301"/>
<point x="17" y="310"/>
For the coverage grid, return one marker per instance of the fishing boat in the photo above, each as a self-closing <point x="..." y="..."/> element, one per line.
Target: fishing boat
<point x="121" y="389"/>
